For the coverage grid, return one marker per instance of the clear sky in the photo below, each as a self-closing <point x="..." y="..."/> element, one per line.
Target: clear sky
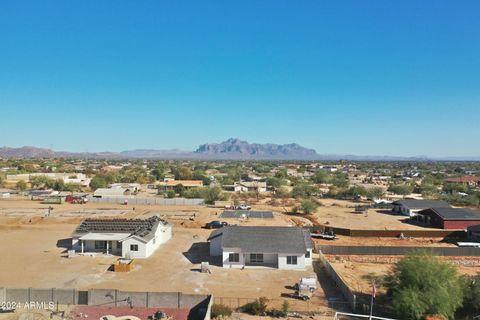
<point x="346" y="77"/>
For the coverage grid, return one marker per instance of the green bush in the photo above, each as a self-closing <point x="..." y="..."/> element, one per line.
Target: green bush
<point x="257" y="307"/>
<point x="221" y="310"/>
<point x="308" y="206"/>
<point x="285" y="307"/>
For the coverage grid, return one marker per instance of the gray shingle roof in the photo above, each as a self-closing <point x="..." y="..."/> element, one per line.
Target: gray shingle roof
<point x="455" y="213"/>
<point x="265" y="239"/>
<point x="422" y="204"/>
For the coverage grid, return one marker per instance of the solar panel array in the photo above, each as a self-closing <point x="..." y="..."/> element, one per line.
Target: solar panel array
<point x="237" y="214"/>
<point x="138" y="227"/>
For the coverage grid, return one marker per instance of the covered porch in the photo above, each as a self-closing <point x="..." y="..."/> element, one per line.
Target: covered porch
<point x="260" y="260"/>
<point x="105" y="243"/>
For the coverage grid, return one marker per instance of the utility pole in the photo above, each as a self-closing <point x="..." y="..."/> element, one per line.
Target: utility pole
<point x="374" y="292"/>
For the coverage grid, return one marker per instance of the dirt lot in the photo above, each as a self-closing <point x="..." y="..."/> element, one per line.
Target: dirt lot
<point x="33" y="245"/>
<point x="356" y="274"/>
<point x="26" y="211"/>
<point x="342" y="214"/>
<point x="376" y="241"/>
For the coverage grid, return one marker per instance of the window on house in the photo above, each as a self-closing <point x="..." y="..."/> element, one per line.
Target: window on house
<point x="256" y="257"/>
<point x="291" y="259"/>
<point x="307" y="254"/>
<point x="100" y="244"/>
<point x="134" y="247"/>
<point x="234" y="257"/>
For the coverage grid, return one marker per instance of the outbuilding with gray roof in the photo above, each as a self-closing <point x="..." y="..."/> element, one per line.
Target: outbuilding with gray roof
<point x="410" y="207"/>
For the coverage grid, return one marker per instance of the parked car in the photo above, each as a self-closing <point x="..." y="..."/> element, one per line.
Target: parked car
<point x="216" y="224"/>
<point x="243" y="207"/>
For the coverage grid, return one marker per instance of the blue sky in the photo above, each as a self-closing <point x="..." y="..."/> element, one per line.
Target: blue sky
<point x="345" y="77"/>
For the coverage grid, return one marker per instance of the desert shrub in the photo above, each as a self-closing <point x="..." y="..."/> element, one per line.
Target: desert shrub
<point x="285" y="307"/>
<point x="257" y="307"/>
<point x="221" y="310"/>
<point x="308" y="206"/>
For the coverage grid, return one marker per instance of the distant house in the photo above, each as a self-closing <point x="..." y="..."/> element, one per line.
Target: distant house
<point x="111" y="192"/>
<point x="78" y="178"/>
<point x="250" y="186"/>
<point x="410" y="207"/>
<point x="133" y="239"/>
<point x="112" y="168"/>
<point x="275" y="247"/>
<point x="4" y="195"/>
<point x="472" y="181"/>
<point x="186" y="184"/>
<point x="133" y="187"/>
<point x="329" y="168"/>
<point x="449" y="218"/>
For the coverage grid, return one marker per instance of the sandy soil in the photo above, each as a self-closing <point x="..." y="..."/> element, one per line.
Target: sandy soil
<point x="342" y="214"/>
<point x="376" y="241"/>
<point x="357" y="274"/>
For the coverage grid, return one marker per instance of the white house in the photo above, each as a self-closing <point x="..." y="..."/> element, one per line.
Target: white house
<point x="111" y="192"/>
<point x="79" y="178"/>
<point x="128" y="238"/>
<point x="410" y="207"/>
<point x="275" y="247"/>
<point x="250" y="186"/>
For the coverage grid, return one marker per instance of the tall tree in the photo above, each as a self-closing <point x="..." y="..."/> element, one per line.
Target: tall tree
<point x="471" y="302"/>
<point x="421" y="285"/>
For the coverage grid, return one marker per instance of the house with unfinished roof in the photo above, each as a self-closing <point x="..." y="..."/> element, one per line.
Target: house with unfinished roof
<point x="273" y="247"/>
<point x="128" y="238"/>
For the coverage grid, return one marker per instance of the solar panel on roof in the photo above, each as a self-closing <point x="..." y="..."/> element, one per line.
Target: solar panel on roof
<point x="134" y="226"/>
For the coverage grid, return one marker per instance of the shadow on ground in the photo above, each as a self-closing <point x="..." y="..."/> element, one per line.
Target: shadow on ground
<point x="336" y="301"/>
<point x="200" y="252"/>
<point x="65" y="244"/>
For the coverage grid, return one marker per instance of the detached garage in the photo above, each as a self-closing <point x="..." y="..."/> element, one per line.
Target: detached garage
<point x="449" y="218"/>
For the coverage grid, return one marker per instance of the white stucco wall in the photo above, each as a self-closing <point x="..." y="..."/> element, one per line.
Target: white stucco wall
<point x="228" y="264"/>
<point x="406" y="211"/>
<point x="140" y="254"/>
<point x="308" y="261"/>
<point x="282" y="262"/>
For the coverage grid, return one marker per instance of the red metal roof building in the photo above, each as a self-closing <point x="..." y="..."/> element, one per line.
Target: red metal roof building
<point x="471" y="180"/>
<point x="449" y="218"/>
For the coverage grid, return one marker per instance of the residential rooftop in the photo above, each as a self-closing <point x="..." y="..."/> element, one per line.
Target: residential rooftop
<point x="422" y="204"/>
<point x="143" y="228"/>
<point x="288" y="240"/>
<point x="455" y="213"/>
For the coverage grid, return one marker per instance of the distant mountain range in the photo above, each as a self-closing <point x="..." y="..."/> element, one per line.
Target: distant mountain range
<point x="238" y="149"/>
<point x="231" y="149"/>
